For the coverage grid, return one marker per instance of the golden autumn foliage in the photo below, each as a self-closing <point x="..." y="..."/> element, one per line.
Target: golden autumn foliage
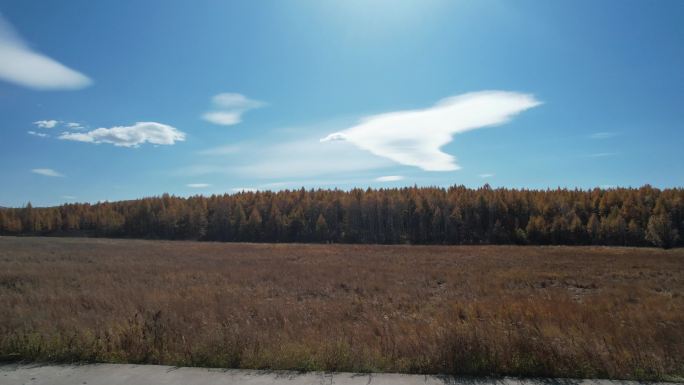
<point x="456" y="215"/>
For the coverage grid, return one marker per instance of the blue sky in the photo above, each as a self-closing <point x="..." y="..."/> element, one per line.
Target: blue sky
<point x="114" y="100"/>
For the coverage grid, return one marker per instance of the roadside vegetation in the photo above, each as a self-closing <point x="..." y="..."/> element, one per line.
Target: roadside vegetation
<point x="481" y="310"/>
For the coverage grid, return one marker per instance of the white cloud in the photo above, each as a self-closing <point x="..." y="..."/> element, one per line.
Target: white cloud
<point x="46" y="123"/>
<point x="334" y="137"/>
<point x="245" y="189"/>
<point x="485" y="176"/>
<point x="229" y="107"/>
<point x="223" y="118"/>
<point x="46" y="172"/>
<point x="414" y="137"/>
<point x="39" y="134"/>
<point x="21" y="65"/>
<point x="129" y="136"/>
<point x="300" y="155"/>
<point x="389" y="178"/>
<point x="68" y="197"/>
<point x="603" y="135"/>
<point x="198" y="185"/>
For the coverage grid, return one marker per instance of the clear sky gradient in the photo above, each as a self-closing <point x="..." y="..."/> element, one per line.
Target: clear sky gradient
<point x="110" y="100"/>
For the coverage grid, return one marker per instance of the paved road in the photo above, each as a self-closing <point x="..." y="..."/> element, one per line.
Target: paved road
<point x="114" y="374"/>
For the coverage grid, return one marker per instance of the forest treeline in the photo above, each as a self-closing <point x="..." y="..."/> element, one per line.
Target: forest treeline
<point x="418" y="215"/>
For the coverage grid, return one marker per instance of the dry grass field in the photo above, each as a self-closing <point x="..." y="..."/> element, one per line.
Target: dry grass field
<point x="527" y="311"/>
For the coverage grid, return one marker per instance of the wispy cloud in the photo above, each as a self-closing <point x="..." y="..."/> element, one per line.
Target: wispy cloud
<point x="129" y="136"/>
<point x="485" y="176"/>
<point x="46" y="172"/>
<point x="389" y="178"/>
<point x="198" y="185"/>
<point x="46" y="123"/>
<point x="221" y="150"/>
<point x="228" y="108"/>
<point x="602" y="154"/>
<point x="21" y="65"/>
<point x="38" y="134"/>
<point x="245" y="189"/>
<point x="68" y="197"/>
<point x="603" y="135"/>
<point x="74" y="126"/>
<point x="235" y="101"/>
<point x="414" y="137"/>
<point x="306" y="158"/>
<point x="296" y="184"/>
<point x="293" y="153"/>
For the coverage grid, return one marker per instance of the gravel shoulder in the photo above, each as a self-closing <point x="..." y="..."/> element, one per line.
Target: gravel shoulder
<point x="125" y="374"/>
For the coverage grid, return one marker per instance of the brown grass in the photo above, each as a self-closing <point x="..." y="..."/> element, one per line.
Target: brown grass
<point x="504" y="310"/>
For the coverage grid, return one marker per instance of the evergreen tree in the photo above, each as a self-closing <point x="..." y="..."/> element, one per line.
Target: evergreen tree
<point x="253" y="228"/>
<point x="322" y="232"/>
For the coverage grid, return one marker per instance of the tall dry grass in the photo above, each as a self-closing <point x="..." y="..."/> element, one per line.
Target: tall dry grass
<point x="506" y="310"/>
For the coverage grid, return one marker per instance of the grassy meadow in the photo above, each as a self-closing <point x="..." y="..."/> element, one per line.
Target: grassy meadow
<point x="607" y="312"/>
